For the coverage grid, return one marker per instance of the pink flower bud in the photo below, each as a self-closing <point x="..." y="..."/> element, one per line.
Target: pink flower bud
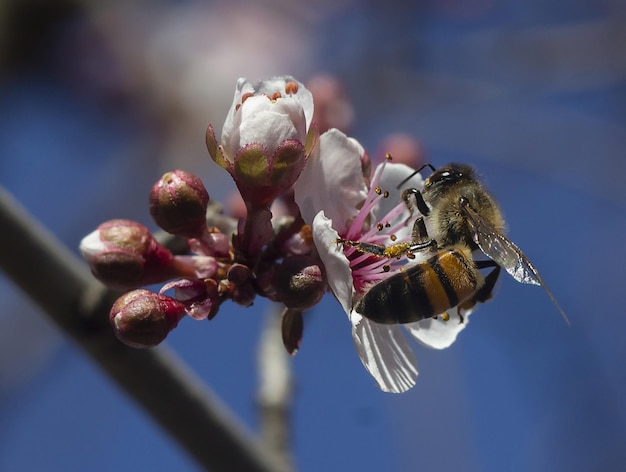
<point x="266" y="139"/>
<point x="199" y="297"/>
<point x="300" y="282"/>
<point x="244" y="294"/>
<point x="178" y="203"/>
<point x="404" y="149"/>
<point x="143" y="319"/>
<point x="238" y="274"/>
<point x="124" y="254"/>
<point x="211" y="243"/>
<point x="332" y="105"/>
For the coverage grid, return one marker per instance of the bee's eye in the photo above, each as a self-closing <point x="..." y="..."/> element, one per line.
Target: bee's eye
<point x="447" y="175"/>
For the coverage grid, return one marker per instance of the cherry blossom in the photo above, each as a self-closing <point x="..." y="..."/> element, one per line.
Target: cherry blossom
<point x="340" y="202"/>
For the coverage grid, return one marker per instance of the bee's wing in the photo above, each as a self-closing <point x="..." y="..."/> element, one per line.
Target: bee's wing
<point x="501" y="250"/>
<point x="505" y="253"/>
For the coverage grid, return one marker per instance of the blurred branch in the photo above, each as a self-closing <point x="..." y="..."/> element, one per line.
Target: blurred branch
<point x="275" y="387"/>
<point x="62" y="286"/>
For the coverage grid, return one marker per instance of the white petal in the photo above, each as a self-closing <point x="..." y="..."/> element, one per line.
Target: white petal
<point x="385" y="353"/>
<point x="436" y="333"/>
<point x="332" y="180"/>
<point x="292" y="108"/>
<point x="233" y="118"/>
<point x="91" y="245"/>
<point x="268" y="128"/>
<point x="336" y="264"/>
<point x="303" y="96"/>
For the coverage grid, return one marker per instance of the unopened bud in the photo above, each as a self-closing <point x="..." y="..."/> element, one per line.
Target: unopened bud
<point x="200" y="297"/>
<point x="212" y="243"/>
<point x="265" y="283"/>
<point x="143" y="319"/>
<point x="300" y="243"/>
<point x="404" y="148"/>
<point x="178" y="203"/>
<point x="238" y="274"/>
<point x="300" y="282"/>
<point x="244" y="294"/>
<point x="124" y="254"/>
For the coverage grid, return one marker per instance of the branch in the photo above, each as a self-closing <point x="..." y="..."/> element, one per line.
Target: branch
<point x="274" y="396"/>
<point x="63" y="287"/>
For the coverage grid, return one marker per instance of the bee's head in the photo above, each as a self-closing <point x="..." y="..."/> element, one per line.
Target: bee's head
<point x="448" y="176"/>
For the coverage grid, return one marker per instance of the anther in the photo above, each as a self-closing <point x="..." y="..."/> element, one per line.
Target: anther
<point x="378" y="190"/>
<point x="276" y="96"/>
<point x="291" y="88"/>
<point x="246" y="96"/>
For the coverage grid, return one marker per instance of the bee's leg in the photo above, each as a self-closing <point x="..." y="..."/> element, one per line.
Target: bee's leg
<point x="484" y="293"/>
<point x="419" y="201"/>
<point x="419" y="242"/>
<point x="419" y="237"/>
<point x="374" y="249"/>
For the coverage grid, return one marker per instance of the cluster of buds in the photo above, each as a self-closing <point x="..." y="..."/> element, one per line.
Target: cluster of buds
<point x="266" y="142"/>
<point x="303" y="193"/>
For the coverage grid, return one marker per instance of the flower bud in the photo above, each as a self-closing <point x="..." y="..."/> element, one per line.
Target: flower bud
<point x="332" y="105"/>
<point x="404" y="148"/>
<point x="266" y="139"/>
<point x="299" y="243"/>
<point x="300" y="282"/>
<point x="211" y="243"/>
<point x="238" y="274"/>
<point x="143" y="319"/>
<point x="264" y="283"/>
<point x="178" y="203"/>
<point x="200" y="297"/>
<point x="124" y="254"/>
<point x="244" y="294"/>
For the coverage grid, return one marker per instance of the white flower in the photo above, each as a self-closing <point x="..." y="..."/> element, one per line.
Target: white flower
<point x="269" y="112"/>
<point x="333" y="197"/>
<point x="267" y="137"/>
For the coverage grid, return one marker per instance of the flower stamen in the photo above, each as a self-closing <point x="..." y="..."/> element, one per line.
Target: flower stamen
<point x="291" y="88"/>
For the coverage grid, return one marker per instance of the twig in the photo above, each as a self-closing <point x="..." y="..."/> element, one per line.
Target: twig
<point x="63" y="287"/>
<point x="275" y="388"/>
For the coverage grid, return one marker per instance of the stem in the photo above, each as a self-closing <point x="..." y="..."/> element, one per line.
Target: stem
<point x="257" y="231"/>
<point x="63" y="287"/>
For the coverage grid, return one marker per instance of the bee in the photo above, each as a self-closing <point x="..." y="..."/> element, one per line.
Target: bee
<point x="465" y="220"/>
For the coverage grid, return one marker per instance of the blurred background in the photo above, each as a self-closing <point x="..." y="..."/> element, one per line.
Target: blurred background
<point x="98" y="99"/>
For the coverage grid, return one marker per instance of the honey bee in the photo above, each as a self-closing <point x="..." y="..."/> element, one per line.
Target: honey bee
<point x="465" y="220"/>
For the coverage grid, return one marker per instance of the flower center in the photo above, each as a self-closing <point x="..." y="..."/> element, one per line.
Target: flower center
<point x="369" y="268"/>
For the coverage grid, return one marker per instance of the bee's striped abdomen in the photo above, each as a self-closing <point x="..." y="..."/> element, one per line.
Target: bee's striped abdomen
<point x="423" y="290"/>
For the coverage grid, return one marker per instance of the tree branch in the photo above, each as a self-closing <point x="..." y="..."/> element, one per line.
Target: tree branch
<point x="274" y="396"/>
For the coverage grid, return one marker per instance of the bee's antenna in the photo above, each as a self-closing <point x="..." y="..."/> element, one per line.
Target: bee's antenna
<point x="430" y="166"/>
